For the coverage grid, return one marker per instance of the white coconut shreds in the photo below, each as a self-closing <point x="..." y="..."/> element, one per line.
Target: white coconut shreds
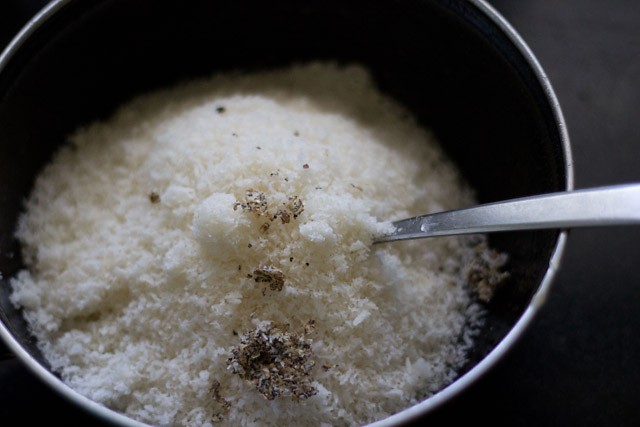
<point x="157" y="240"/>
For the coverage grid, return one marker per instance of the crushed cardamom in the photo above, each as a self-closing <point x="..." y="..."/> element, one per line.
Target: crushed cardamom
<point x="254" y="201"/>
<point x="271" y="275"/>
<point x="485" y="272"/>
<point x="276" y="361"/>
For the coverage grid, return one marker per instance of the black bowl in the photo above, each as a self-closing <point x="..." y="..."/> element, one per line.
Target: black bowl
<point x="457" y="65"/>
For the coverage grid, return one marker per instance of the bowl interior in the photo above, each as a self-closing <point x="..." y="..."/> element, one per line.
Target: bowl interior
<point x="447" y="61"/>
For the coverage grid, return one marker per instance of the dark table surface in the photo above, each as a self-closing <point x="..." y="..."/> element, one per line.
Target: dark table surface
<point x="579" y="362"/>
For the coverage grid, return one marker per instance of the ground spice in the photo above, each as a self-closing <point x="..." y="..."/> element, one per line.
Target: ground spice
<point x="485" y="273"/>
<point x="271" y="275"/>
<point x="296" y="206"/>
<point x="284" y="216"/>
<point x="276" y="361"/>
<point x="254" y="201"/>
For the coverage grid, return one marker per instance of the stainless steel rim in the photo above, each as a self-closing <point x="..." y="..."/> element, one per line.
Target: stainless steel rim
<point x="408" y="414"/>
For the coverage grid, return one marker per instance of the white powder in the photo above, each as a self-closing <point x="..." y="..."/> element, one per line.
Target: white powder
<point x="138" y="286"/>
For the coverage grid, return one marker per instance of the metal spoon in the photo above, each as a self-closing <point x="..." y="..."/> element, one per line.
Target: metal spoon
<point x="615" y="205"/>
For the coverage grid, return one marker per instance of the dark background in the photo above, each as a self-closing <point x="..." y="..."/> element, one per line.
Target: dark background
<point x="579" y="362"/>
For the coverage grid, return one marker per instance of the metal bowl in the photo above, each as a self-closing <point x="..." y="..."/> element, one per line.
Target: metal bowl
<point x="457" y="65"/>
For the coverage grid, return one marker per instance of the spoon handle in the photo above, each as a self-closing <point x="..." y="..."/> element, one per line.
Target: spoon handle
<point x="616" y="205"/>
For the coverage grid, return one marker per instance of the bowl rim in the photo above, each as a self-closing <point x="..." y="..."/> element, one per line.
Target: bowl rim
<point x="420" y="409"/>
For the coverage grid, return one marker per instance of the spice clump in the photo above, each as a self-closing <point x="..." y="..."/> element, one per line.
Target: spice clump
<point x="254" y="201"/>
<point x="296" y="206"/>
<point x="485" y="272"/>
<point x="271" y="275"/>
<point x="277" y="361"/>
